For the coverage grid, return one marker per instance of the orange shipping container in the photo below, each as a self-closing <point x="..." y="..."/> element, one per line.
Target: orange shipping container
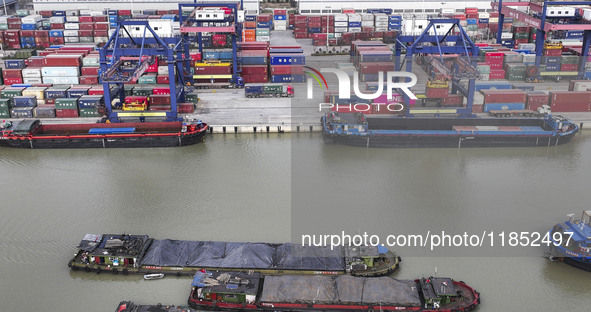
<point x="250" y="24"/>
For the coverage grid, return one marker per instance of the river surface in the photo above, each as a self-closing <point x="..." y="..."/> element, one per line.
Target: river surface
<point x="276" y="187"/>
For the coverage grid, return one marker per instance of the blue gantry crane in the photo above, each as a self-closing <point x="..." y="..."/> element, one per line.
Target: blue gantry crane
<point x="124" y="58"/>
<point x="455" y="70"/>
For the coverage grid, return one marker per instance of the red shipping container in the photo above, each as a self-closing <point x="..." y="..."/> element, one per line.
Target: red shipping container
<point x="287" y="70"/>
<point x="11" y="73"/>
<point x="264" y="18"/>
<point x="124" y="12"/>
<point x="13" y="20"/>
<point x="91" y="80"/>
<point x="66" y="113"/>
<point x="471" y="10"/>
<point x="14" y="26"/>
<point x="477" y="108"/>
<point x="536" y="99"/>
<point x="453" y="100"/>
<point x="175" y="12"/>
<point x="46" y="13"/>
<point x="162" y="12"/>
<point x="50" y="101"/>
<point x="99" y="19"/>
<point x="42" y="33"/>
<point x="186" y="108"/>
<point x="11" y="81"/>
<point x="160" y="99"/>
<point x="504" y="96"/>
<point x="298" y="35"/>
<point x="254" y="69"/>
<point x="85" y="19"/>
<point x="86" y="26"/>
<point x="461" y="17"/>
<point x="43" y="44"/>
<point x="159" y="107"/>
<point x="97" y="91"/>
<point x="56" y="40"/>
<point x="569" y="67"/>
<point x="11" y="34"/>
<point x="62" y="60"/>
<point x="375" y="67"/>
<point x="314" y="19"/>
<point x="101" y="26"/>
<point x="570" y="97"/>
<point x="437" y="92"/>
<point x="56" y="26"/>
<point x="161" y="90"/>
<point x="85" y="33"/>
<point x="314" y="24"/>
<point x="472" y="15"/>
<point x="90" y="71"/>
<point x="27" y="33"/>
<point x="152" y="68"/>
<point x="213" y="70"/>
<point x="255" y="78"/>
<point x="552" y="52"/>
<point x="301" y="18"/>
<point x="570" y="107"/>
<point x="101" y="33"/>
<point x="496" y="74"/>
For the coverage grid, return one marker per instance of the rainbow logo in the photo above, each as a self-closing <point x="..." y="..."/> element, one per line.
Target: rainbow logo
<point x="317" y="76"/>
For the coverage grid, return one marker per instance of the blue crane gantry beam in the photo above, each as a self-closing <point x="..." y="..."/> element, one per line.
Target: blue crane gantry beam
<point x="436" y="44"/>
<point x="189" y="25"/>
<point x="542" y="26"/>
<point x="120" y="47"/>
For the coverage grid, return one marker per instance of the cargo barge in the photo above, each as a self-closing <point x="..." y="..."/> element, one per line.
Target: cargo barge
<point x="242" y="291"/>
<point x="31" y="133"/>
<point x="141" y="254"/>
<point x="574" y="250"/>
<point x="357" y="129"/>
<point x="128" y="306"/>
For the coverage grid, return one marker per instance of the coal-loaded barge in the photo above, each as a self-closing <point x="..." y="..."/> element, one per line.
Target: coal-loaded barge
<point x="356" y="129"/>
<point x="571" y="241"/>
<point x="243" y="291"/>
<point x="31" y="133"/>
<point x="141" y="254"/>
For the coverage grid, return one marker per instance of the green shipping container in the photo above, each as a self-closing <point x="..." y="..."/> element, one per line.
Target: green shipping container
<point x="263" y="32"/>
<point x="129" y="90"/>
<point x="5" y="104"/>
<point x="483" y="69"/>
<point x="66" y="103"/>
<point x="9" y="93"/>
<point x="521" y="35"/>
<point x="3" y="26"/>
<point x="149" y="78"/>
<point x="515" y="77"/>
<point x="142" y="91"/>
<point x="4" y="114"/>
<point x="273" y="88"/>
<point x="89" y="112"/>
<point x="22" y="13"/>
<point x="570" y="59"/>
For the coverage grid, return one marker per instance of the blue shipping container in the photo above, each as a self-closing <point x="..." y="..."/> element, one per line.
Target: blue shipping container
<point x="286" y="50"/>
<point x="14" y="64"/>
<point x="263" y="24"/>
<point x="113" y="24"/>
<point x="24" y="101"/>
<point x="211" y="55"/>
<point x="256" y="89"/>
<point x="315" y="30"/>
<point x="574" y="34"/>
<point x="76" y="93"/>
<point x="253" y="60"/>
<point x="553" y="67"/>
<point x="484" y="85"/>
<point x="21" y="112"/>
<point x="503" y="106"/>
<point x="354" y="24"/>
<point x="59" y="13"/>
<point x="28" y="40"/>
<point x="28" y="26"/>
<point x="225" y="55"/>
<point x="395" y="17"/>
<point x="56" y="33"/>
<point x="113" y="18"/>
<point x="483" y="21"/>
<point x="471" y="21"/>
<point x="552" y="60"/>
<point x="279" y="17"/>
<point x="588" y="75"/>
<point x="288" y="78"/>
<point x="112" y="12"/>
<point x="55" y="94"/>
<point x="25" y="45"/>
<point x="250" y="18"/>
<point x="283" y="59"/>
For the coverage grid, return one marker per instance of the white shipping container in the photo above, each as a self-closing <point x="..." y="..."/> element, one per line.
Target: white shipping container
<point x="346" y="29"/>
<point x="354" y="29"/>
<point x="57" y="19"/>
<point x="61" y="80"/>
<point x="527" y="46"/>
<point x="263" y="38"/>
<point x="71" y="39"/>
<point x="338" y="35"/>
<point x="72" y="12"/>
<point x="506" y="35"/>
<point x="85" y="12"/>
<point x="354" y="17"/>
<point x="582" y="86"/>
<point x="162" y="70"/>
<point x="96" y="13"/>
<point x="70" y="33"/>
<point x="34" y="80"/>
<point x="448" y="11"/>
<point x="381" y="28"/>
<point x="72" y="19"/>
<point x="101" y="39"/>
<point x="483" y="15"/>
<point x="381" y="24"/>
<point x="341" y="24"/>
<point x="4" y="19"/>
<point x="280" y="23"/>
<point x="463" y="23"/>
<point x="280" y="27"/>
<point x="587" y="14"/>
<point x="31" y="72"/>
<point x="341" y="18"/>
<point x="367" y="24"/>
<point x="71" y="26"/>
<point x="380" y="17"/>
<point x="56" y="71"/>
<point x="529" y="58"/>
<point x="31" y="19"/>
<point x="493" y="20"/>
<point x="367" y="17"/>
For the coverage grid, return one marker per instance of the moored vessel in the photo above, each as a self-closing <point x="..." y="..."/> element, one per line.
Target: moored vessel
<point x="123" y="253"/>
<point x="243" y="291"/>
<point x="571" y="241"/>
<point x="356" y="129"/>
<point x="31" y="133"/>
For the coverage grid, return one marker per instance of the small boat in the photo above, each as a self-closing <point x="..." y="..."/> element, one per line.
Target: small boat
<point x="571" y="241"/>
<point x="153" y="276"/>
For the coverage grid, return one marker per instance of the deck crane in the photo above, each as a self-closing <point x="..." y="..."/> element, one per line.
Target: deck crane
<point x="124" y="58"/>
<point x="454" y="69"/>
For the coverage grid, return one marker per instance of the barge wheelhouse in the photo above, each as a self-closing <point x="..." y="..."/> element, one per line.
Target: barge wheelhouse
<point x="571" y="241"/>
<point x="356" y="129"/>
